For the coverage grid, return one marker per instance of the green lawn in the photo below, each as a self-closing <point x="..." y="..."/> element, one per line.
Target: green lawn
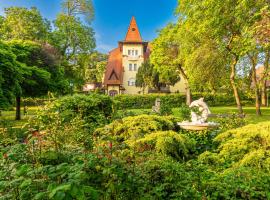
<point x="250" y="113"/>
<point x="9" y="116"/>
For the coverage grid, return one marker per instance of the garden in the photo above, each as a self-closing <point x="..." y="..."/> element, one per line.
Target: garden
<point x="60" y="142"/>
<point x="89" y="147"/>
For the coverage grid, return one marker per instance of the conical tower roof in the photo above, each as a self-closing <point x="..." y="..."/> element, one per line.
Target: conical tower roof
<point x="133" y="33"/>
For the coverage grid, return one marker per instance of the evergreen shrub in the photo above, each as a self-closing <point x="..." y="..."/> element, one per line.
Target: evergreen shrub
<point x="176" y="100"/>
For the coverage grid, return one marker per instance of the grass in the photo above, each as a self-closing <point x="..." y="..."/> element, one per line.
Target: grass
<point x="9" y="116"/>
<point x="250" y="113"/>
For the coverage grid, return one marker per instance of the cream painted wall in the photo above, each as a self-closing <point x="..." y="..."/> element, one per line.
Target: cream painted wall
<point x="133" y="60"/>
<point x="178" y="87"/>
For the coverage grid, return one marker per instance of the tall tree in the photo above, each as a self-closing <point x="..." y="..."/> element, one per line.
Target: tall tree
<point x="168" y="59"/>
<point x="79" y="7"/>
<point x="24" y="24"/>
<point x="73" y="38"/>
<point x="39" y="72"/>
<point x="262" y="36"/>
<point x="225" y="22"/>
<point x="10" y="76"/>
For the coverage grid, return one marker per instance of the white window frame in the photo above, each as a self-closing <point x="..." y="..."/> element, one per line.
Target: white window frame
<point x="135" y="67"/>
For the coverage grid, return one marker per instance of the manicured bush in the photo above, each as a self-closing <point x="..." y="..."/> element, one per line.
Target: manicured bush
<point x="176" y="100"/>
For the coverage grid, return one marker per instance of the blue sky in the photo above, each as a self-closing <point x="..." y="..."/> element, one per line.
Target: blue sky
<point x="112" y="17"/>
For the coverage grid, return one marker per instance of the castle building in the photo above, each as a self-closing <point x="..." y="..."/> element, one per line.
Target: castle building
<point x="124" y="62"/>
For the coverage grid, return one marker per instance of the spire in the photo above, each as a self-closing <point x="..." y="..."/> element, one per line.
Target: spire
<point x="133" y="33"/>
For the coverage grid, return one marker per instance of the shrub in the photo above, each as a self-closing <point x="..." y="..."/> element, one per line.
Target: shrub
<point x="176" y="100"/>
<point x="246" y="146"/>
<point x="185" y="112"/>
<point x="169" y="143"/>
<point x="165" y="109"/>
<point x="135" y="127"/>
<point x="95" y="110"/>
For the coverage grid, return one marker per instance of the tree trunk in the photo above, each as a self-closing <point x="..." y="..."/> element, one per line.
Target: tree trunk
<point x="18" y="108"/>
<point x="263" y="80"/>
<point x="264" y="94"/>
<point x="253" y="60"/>
<point x="235" y="89"/>
<point x="187" y="88"/>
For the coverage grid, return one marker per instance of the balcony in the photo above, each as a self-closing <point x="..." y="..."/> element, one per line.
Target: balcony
<point x="132" y="58"/>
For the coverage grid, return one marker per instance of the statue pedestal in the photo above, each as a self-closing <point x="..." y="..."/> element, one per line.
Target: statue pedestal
<point x="192" y="126"/>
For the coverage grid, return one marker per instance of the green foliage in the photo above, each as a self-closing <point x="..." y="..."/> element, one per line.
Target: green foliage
<point x="185" y="112"/>
<point x="9" y="76"/>
<point x="246" y="146"/>
<point x="94" y="110"/>
<point x="147" y="76"/>
<point x="94" y="65"/>
<point x="25" y="24"/>
<point x="165" y="109"/>
<point x="133" y="128"/>
<point x="169" y="143"/>
<point x="175" y="100"/>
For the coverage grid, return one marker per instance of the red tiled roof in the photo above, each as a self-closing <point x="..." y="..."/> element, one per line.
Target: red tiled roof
<point x="114" y="69"/>
<point x="133" y="33"/>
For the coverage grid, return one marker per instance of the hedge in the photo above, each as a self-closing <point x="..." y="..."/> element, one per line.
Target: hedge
<point x="176" y="100"/>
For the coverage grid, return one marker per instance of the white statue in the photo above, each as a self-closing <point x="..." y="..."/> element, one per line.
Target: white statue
<point x="200" y="111"/>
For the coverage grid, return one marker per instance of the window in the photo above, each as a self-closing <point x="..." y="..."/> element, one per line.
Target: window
<point x="135" y="67"/>
<point x="129" y="52"/>
<point x="130" y="67"/>
<point x="136" y="52"/>
<point x="131" y="82"/>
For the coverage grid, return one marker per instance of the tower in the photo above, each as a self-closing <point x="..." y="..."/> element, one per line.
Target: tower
<point x="124" y="62"/>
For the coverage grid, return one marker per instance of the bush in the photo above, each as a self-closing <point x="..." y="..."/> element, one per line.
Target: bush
<point x="176" y="100"/>
<point x="246" y="146"/>
<point x="135" y="127"/>
<point x="169" y="143"/>
<point x="95" y="110"/>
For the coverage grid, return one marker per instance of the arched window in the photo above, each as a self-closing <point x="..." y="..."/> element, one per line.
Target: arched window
<point x="131" y="82"/>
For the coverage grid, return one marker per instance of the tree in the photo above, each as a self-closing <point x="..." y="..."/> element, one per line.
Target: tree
<point x="10" y="76"/>
<point x="94" y="66"/>
<point x="79" y="7"/>
<point x="40" y="73"/>
<point x="24" y="24"/>
<point x="262" y="35"/>
<point x="225" y="22"/>
<point x="73" y="40"/>
<point x="167" y="58"/>
<point x="147" y="76"/>
<point x="206" y="64"/>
